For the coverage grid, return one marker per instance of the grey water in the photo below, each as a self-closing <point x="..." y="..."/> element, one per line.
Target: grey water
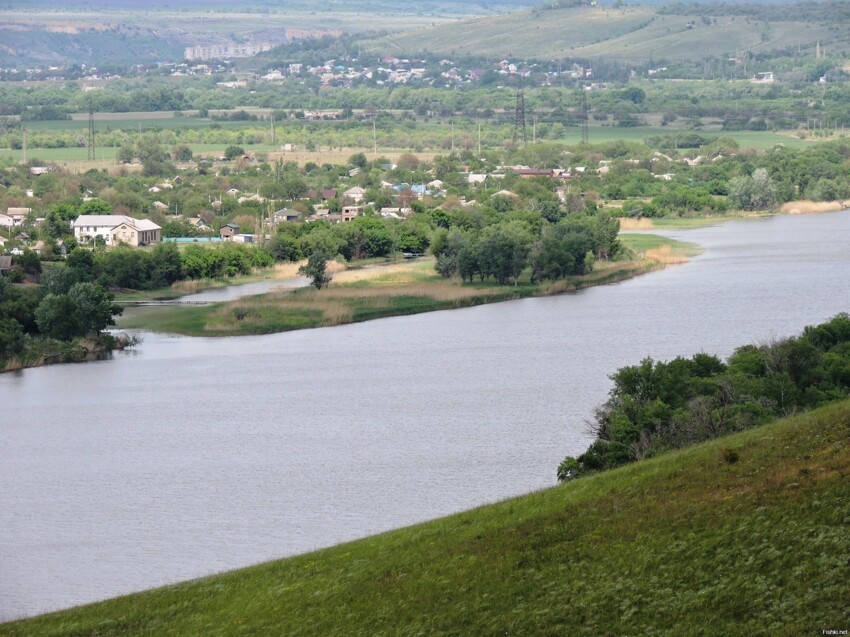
<point x="188" y="456"/>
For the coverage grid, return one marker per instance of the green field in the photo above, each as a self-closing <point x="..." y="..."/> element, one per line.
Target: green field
<point x="745" y="535"/>
<point x="635" y="34"/>
<point x="640" y="243"/>
<point x="324" y="130"/>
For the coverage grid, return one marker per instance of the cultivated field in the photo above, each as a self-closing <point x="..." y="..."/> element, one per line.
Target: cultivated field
<point x="634" y="34"/>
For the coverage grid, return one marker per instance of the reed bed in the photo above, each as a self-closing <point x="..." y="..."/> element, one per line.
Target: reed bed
<point x="807" y="207"/>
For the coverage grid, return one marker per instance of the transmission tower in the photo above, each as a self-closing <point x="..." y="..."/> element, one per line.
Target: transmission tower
<point x="91" y="132"/>
<point x="519" y="122"/>
<point x="584" y="132"/>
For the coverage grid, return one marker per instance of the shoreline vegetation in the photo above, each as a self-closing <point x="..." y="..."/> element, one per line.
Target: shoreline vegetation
<point x="397" y="289"/>
<point x="703" y="536"/>
<point x="79" y="350"/>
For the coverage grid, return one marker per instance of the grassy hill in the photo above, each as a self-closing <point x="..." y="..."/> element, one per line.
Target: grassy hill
<point x="746" y="535"/>
<point x="634" y="34"/>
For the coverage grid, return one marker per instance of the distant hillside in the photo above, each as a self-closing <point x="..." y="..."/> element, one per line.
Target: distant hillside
<point x="472" y="6"/>
<point x="746" y="535"/>
<point x="635" y="34"/>
<point x="126" y="32"/>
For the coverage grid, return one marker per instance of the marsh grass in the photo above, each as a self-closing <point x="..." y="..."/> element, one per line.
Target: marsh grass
<point x="660" y="249"/>
<point x="690" y="542"/>
<point x="805" y="207"/>
<point x="361" y="295"/>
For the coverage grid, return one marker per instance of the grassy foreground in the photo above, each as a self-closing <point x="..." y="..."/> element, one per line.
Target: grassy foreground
<point x="744" y="535"/>
<point x="395" y="290"/>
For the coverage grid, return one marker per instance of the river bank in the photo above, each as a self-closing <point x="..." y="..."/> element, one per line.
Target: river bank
<point x="80" y="350"/>
<point x="393" y="290"/>
<point x="189" y="456"/>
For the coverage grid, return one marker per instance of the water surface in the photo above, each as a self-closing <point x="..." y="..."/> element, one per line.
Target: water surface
<point x="194" y="455"/>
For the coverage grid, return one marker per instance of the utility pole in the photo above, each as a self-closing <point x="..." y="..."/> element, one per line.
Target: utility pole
<point x="91" y="132"/>
<point x="585" y="135"/>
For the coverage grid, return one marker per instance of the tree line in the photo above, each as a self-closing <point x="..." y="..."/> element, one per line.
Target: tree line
<point x="657" y="406"/>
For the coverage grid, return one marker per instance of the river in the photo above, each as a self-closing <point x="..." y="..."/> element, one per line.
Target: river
<point x="188" y="456"/>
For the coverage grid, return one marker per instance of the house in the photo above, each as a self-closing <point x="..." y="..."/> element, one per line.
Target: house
<point x="199" y="224"/>
<point x="14" y="216"/>
<point x="350" y="212"/>
<point x="476" y="178"/>
<point x="395" y="213"/>
<point x="354" y="195"/>
<point x="178" y="181"/>
<point x="286" y="214"/>
<point x="160" y="206"/>
<point x="5" y="264"/>
<point x="116" y="229"/>
<point x="39" y="170"/>
<point x="228" y="231"/>
<point x="528" y="173"/>
<point x="233" y="192"/>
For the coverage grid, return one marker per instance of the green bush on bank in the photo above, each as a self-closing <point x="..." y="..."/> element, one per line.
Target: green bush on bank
<point x="657" y="406"/>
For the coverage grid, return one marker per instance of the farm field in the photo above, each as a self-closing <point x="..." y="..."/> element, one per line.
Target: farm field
<point x="632" y="34"/>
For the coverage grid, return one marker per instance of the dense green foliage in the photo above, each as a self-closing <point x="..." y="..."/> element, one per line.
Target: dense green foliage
<point x="64" y="308"/>
<point x="505" y="248"/>
<point x="657" y="406"/>
<point x="687" y="543"/>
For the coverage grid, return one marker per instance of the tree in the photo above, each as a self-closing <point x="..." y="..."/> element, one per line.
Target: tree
<point x="126" y="153"/>
<point x="233" y="151"/>
<point x="58" y="280"/>
<point x="56" y="317"/>
<point x="95" y="310"/>
<point x="316" y="269"/>
<point x="182" y="152"/>
<point x="154" y="159"/>
<point x="504" y="252"/>
<point x="752" y="192"/>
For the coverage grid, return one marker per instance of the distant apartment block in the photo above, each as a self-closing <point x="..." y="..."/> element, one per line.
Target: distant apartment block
<point x="222" y="51"/>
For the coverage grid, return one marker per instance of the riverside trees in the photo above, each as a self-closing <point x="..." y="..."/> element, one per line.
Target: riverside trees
<point x="502" y="251"/>
<point x="656" y="406"/>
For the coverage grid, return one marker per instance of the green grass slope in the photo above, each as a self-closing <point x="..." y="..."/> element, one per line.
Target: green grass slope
<point x="630" y="33"/>
<point x="531" y="33"/>
<point x="746" y="535"/>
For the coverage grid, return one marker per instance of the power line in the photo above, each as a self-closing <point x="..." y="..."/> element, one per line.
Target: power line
<point x="519" y="120"/>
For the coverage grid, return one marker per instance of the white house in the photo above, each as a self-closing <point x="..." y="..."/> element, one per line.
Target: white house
<point x="116" y="229"/>
<point x="355" y="195"/>
<point x="14" y="217"/>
